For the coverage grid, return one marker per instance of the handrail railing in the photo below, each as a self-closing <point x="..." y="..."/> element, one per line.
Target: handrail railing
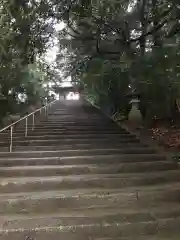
<point x="11" y="126"/>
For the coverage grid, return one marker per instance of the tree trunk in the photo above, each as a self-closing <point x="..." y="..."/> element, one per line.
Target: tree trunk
<point x="143" y="20"/>
<point x="156" y="34"/>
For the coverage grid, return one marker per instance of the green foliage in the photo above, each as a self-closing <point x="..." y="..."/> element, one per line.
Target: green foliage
<point x="158" y="81"/>
<point x="112" y="47"/>
<point x="26" y="27"/>
<point x="107" y="83"/>
<point x="120" y="46"/>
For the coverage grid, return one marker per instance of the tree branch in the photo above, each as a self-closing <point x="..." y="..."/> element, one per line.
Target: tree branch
<point x="81" y="63"/>
<point x="154" y="29"/>
<point x="79" y="34"/>
<point x="67" y="10"/>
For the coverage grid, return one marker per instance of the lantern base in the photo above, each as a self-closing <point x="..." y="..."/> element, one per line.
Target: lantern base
<point x="135" y="118"/>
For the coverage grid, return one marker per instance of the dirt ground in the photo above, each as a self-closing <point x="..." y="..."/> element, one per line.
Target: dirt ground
<point x="165" y="136"/>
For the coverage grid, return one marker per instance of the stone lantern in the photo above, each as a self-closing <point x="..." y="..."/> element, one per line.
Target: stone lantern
<point x="135" y="116"/>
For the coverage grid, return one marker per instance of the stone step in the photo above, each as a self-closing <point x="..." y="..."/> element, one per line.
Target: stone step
<point x="58" y="135"/>
<point x="64" y="116"/>
<point x="88" y="218"/>
<point x="72" y="128"/>
<point x="60" y="158"/>
<point x="75" y="123"/>
<point x="122" y="155"/>
<point x="147" y="230"/>
<point x="75" y="142"/>
<point x="71" y="113"/>
<point x="69" y="132"/>
<point x="54" y="236"/>
<point x="82" y="128"/>
<point x="66" y="127"/>
<point x="99" y="138"/>
<point x="123" y="148"/>
<point x="64" y="131"/>
<point x="88" y="122"/>
<point x="55" y="170"/>
<point x="132" y="198"/>
<point x="112" y="181"/>
<point x="123" y="137"/>
<point x="78" y="176"/>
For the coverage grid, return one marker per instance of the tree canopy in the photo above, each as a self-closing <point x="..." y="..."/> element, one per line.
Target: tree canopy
<point x="111" y="47"/>
<point x="118" y="46"/>
<point x="26" y="27"/>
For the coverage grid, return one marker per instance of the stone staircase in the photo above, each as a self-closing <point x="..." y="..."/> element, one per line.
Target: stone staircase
<point x="80" y="177"/>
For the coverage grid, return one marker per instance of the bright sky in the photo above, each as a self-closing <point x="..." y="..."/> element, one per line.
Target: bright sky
<point x="52" y="52"/>
<point x="132" y="5"/>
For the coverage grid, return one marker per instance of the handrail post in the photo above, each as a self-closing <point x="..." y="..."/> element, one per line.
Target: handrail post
<point x="11" y="126"/>
<point x="33" y="121"/>
<point x="26" y="129"/>
<point x="11" y="139"/>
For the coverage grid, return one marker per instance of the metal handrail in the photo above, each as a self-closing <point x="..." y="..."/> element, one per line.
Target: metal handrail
<point x="11" y="126"/>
